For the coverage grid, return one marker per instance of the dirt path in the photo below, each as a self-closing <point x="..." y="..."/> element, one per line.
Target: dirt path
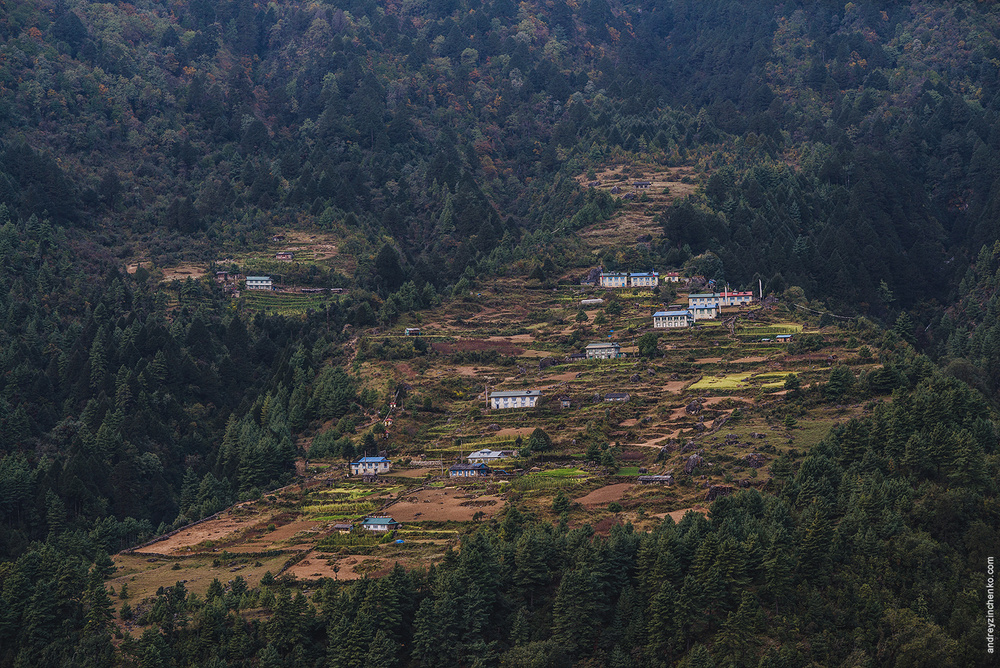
<point x="656" y="441"/>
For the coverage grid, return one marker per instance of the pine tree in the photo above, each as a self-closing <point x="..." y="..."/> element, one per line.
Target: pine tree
<point x="572" y="611"/>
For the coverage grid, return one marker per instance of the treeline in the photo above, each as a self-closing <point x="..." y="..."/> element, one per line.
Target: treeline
<point x="965" y="336"/>
<point x="844" y="146"/>
<point x="118" y="417"/>
<point x="871" y="550"/>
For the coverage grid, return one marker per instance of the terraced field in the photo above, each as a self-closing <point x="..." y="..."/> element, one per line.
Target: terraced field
<point x="705" y="394"/>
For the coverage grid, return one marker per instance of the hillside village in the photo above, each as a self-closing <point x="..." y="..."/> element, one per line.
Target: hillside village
<point x="597" y="403"/>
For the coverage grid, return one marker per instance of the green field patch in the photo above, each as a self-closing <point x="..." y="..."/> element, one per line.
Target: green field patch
<point x="560" y="473"/>
<point x="348" y="507"/>
<point x="551" y="479"/>
<point x="771" y="380"/>
<point x="495" y="443"/>
<point x="357" y="538"/>
<point x="278" y="303"/>
<point x="740" y="381"/>
<point x="732" y="381"/>
<point x="809" y="433"/>
<point x="768" y="330"/>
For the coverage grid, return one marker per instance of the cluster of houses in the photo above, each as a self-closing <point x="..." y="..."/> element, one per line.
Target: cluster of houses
<point x="479" y="463"/>
<point x="649" y="279"/>
<point x="701" y="306"/>
<point x="369" y="468"/>
<point x="642" y="279"/>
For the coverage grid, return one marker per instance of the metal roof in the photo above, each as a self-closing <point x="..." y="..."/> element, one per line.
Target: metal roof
<point x="516" y="393"/>
<point x="258" y="278"/>
<point x="665" y="313"/>
<point x="371" y="459"/>
<point x="369" y="521"/>
<point x="598" y="344"/>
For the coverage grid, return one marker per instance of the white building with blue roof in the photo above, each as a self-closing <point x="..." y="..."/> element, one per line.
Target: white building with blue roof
<point x="663" y="319"/>
<point x="370" y="465"/>
<point x="649" y="279"/>
<point x="704" y="306"/>
<point x="613" y="280"/>
<point x="379" y="524"/>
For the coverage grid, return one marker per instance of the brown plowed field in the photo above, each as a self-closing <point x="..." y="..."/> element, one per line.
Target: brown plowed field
<point x="604" y="495"/>
<point x="442" y="505"/>
<point x="217" y="529"/>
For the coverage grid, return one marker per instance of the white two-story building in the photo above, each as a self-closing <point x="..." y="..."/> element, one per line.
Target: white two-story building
<point x="649" y="279"/>
<point x="735" y="298"/>
<point x="259" y="283"/>
<point x="614" y="280"/>
<point x="603" y="351"/>
<point x="370" y="465"/>
<point x="662" y="319"/>
<point x="705" y="305"/>
<point x="514" y="399"/>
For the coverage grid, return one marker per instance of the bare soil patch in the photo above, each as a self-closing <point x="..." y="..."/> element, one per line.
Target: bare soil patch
<point x="519" y="338"/>
<point x="676" y="386"/>
<point x="145" y="577"/>
<point x="605" y="495"/>
<point x="323" y="246"/>
<point x="182" y="271"/>
<point x="708" y="360"/>
<point x="750" y="360"/>
<point x="351" y="566"/>
<point x="443" y="504"/>
<point x="288" y="531"/>
<point x="469" y="345"/>
<point x="678" y="515"/>
<point x="406" y="370"/>
<point x="412" y="473"/>
<point x="655" y="442"/>
<point x="217" y="529"/>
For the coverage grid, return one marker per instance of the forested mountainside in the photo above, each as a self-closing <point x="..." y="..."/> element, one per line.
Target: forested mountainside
<point x="845" y="146"/>
<point x="852" y="151"/>
<point x="882" y="530"/>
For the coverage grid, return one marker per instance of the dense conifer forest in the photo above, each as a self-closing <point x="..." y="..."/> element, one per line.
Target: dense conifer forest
<point x="848" y="154"/>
